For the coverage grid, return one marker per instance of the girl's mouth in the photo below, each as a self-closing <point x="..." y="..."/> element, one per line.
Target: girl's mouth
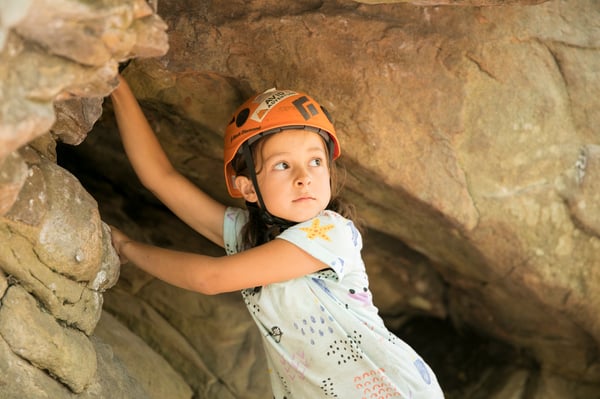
<point x="301" y="199"/>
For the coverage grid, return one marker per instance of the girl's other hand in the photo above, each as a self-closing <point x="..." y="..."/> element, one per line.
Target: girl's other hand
<point x="119" y="239"/>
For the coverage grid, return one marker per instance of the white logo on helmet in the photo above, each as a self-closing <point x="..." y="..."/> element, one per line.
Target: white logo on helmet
<point x="267" y="101"/>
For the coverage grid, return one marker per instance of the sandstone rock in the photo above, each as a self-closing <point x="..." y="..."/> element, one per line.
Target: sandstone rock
<point x="151" y="370"/>
<point x="65" y="49"/>
<point x="59" y="58"/>
<point x="13" y="11"/>
<point x="31" y="205"/>
<point x="113" y="379"/>
<point x="75" y="118"/>
<point x="23" y="118"/>
<point x="13" y="172"/>
<point x="185" y="351"/>
<point x="42" y="147"/>
<point x="551" y="386"/>
<point x="472" y="3"/>
<point x="36" y="336"/>
<point x="21" y="379"/>
<point x="67" y="300"/>
<point x="3" y="283"/>
<point x="69" y="237"/>
<point x="584" y="195"/>
<point x="193" y="94"/>
<point x="198" y="319"/>
<point x="149" y="31"/>
<point x="81" y="39"/>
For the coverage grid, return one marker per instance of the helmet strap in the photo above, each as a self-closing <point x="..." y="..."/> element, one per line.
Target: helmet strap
<point x="271" y="221"/>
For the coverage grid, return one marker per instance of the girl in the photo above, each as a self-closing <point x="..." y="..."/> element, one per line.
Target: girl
<point x="293" y="254"/>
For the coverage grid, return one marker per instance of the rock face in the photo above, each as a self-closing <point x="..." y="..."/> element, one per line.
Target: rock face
<point x="469" y="138"/>
<point x="58" y="60"/>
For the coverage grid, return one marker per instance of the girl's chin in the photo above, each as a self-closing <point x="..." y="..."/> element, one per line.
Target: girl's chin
<point x="299" y="214"/>
<point x="304" y="217"/>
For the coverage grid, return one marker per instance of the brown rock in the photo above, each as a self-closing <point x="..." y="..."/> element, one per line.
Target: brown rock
<point x="37" y="337"/>
<point x="13" y="172"/>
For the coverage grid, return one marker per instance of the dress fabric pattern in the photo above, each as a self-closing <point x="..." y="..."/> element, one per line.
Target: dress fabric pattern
<point x="322" y="334"/>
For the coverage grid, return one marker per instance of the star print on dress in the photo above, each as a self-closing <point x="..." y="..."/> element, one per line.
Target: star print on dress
<point x="317" y="231"/>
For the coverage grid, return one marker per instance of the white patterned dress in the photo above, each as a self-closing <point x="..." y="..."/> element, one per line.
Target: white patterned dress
<point x="322" y="334"/>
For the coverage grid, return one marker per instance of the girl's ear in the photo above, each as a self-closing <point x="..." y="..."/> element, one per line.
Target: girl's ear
<point x="246" y="187"/>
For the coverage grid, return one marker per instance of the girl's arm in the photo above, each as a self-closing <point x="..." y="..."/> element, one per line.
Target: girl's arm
<point x="273" y="262"/>
<point x="155" y="171"/>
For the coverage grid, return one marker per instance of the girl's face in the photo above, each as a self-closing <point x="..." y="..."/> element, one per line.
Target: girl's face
<point x="293" y="174"/>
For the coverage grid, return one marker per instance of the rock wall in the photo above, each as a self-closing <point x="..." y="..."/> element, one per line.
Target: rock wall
<point x="58" y="60"/>
<point x="471" y="144"/>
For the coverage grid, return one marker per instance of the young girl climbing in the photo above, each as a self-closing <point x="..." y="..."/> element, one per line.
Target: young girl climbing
<point x="293" y="254"/>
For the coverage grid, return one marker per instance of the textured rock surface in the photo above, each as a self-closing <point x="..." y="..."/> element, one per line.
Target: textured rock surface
<point x="57" y="62"/>
<point x="153" y="372"/>
<point x="471" y="144"/>
<point x="38" y="337"/>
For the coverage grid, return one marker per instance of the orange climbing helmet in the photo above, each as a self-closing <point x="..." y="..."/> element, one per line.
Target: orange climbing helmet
<point x="270" y="112"/>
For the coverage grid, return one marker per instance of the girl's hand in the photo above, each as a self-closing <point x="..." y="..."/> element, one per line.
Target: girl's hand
<point x="119" y="239"/>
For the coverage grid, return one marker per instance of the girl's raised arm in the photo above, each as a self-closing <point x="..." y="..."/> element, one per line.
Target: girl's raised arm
<point x="157" y="174"/>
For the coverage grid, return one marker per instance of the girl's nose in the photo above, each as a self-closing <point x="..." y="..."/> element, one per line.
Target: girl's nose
<point x="303" y="178"/>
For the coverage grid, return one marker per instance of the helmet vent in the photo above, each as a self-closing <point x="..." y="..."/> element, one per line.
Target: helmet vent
<point x="242" y="117"/>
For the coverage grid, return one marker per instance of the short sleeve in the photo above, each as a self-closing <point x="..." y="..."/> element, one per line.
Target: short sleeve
<point x="329" y="237"/>
<point x="235" y="219"/>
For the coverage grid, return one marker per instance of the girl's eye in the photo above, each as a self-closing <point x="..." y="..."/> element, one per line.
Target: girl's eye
<point x="316" y="162"/>
<point x="280" y="166"/>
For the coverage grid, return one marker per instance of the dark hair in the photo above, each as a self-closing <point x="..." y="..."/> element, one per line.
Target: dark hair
<point x="256" y="231"/>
